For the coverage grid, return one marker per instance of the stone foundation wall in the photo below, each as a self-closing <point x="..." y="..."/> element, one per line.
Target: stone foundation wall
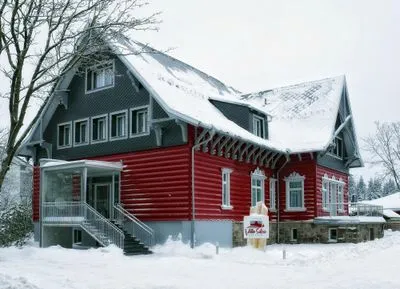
<point x="309" y="232"/>
<point x="393" y="225"/>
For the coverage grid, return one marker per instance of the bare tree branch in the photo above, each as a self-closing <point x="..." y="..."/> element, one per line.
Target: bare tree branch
<point x="42" y="39"/>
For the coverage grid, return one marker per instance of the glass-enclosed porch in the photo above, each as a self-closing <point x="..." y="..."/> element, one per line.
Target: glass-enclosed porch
<point x="79" y="194"/>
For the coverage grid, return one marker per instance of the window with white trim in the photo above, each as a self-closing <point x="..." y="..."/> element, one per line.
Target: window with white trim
<point x="295" y="192"/>
<point x="337" y="149"/>
<point x="64" y="135"/>
<point x="257" y="186"/>
<point x="272" y="194"/>
<point x="81" y="132"/>
<point x="340" y="197"/>
<point x="99" y="129"/>
<point x="139" y="121"/>
<point x="100" y="76"/>
<point x="325" y="194"/>
<point x="332" y="194"/>
<point x="259" y="126"/>
<point x="118" y="125"/>
<point x="332" y="235"/>
<point x="226" y="188"/>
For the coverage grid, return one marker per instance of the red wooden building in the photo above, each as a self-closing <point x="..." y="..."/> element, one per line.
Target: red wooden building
<point x="144" y="146"/>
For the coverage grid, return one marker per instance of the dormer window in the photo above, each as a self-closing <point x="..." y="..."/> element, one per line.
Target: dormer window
<point x="337" y="150"/>
<point x="100" y="76"/>
<point x="259" y="126"/>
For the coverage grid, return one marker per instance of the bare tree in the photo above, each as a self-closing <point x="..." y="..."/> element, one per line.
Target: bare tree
<point x="40" y="40"/>
<point x="384" y="147"/>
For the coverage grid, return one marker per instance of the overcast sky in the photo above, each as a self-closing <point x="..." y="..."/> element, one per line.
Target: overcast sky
<point x="256" y="45"/>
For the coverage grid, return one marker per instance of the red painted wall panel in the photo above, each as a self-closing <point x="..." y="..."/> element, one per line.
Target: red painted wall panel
<point x="36" y="193"/>
<point x="208" y="187"/>
<point x="155" y="184"/>
<point x="305" y="166"/>
<point x="321" y="171"/>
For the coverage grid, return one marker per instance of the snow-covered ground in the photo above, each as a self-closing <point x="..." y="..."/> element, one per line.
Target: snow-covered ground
<point x="174" y="265"/>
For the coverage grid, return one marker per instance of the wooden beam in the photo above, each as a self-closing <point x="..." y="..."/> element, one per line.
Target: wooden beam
<point x="229" y="147"/>
<point x="270" y="158"/>
<point x="221" y="146"/>
<point x="246" y="148"/>
<point x="183" y="127"/>
<point x="275" y="161"/>
<point x="201" y="136"/>
<point x="261" y="162"/>
<point x="299" y="155"/>
<point x="251" y="153"/>
<point x="236" y="150"/>
<point x="214" y="143"/>
<point x="256" y="156"/>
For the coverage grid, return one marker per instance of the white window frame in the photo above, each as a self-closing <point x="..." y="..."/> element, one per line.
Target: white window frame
<point x="226" y="189"/>
<point x="69" y="136"/>
<point x="340" y="184"/>
<point x="294" y="177"/>
<point x="147" y="132"/>
<point x="125" y="113"/>
<point x="272" y="194"/>
<point x="260" y="119"/>
<point x="258" y="175"/>
<point x="86" y="120"/>
<point x="337" y="152"/>
<point x="105" y="116"/>
<point x="95" y="68"/>
<point x="325" y="194"/>
<point x="330" y="234"/>
<point x="292" y="239"/>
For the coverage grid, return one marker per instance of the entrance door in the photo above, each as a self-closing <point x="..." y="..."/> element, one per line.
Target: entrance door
<point x="333" y="197"/>
<point x="102" y="199"/>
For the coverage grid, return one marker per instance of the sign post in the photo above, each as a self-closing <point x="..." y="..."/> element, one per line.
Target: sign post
<point x="256" y="226"/>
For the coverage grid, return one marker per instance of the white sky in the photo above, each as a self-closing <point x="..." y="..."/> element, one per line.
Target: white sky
<point x="260" y="44"/>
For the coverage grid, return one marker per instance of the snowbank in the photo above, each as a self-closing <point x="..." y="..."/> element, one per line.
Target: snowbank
<point x="175" y="265"/>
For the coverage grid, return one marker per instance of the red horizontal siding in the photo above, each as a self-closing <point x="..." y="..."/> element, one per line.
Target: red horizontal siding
<point x="36" y="193"/>
<point x="304" y="166"/>
<point x="321" y="171"/>
<point x="208" y="187"/>
<point x="155" y="184"/>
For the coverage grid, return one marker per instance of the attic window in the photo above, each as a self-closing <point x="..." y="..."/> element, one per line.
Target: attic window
<point x="64" y="134"/>
<point x="337" y="150"/>
<point x="100" y="76"/>
<point x="259" y="126"/>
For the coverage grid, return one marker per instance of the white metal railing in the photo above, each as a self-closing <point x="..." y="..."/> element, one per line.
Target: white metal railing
<point x="353" y="209"/>
<point x="133" y="225"/>
<point x="84" y="215"/>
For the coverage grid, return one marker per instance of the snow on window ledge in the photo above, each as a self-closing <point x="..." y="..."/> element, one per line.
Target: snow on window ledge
<point x="224" y="207"/>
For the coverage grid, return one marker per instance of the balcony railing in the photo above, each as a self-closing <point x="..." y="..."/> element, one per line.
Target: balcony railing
<point x="351" y="209"/>
<point x="133" y="225"/>
<point x="82" y="214"/>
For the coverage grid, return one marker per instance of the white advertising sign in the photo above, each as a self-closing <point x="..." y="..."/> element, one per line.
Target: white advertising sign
<point x="256" y="227"/>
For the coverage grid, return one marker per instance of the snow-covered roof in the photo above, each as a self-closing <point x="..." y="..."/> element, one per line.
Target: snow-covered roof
<point x="349" y="219"/>
<point x="391" y="214"/>
<point x="391" y="202"/>
<point x="185" y="92"/>
<point x="60" y="164"/>
<point x="303" y="115"/>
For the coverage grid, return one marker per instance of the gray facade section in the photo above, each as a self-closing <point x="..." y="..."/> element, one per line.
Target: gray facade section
<point x="239" y="114"/>
<point x="123" y="96"/>
<point x="206" y="231"/>
<point x="36" y="231"/>
<point x="332" y="162"/>
<point x="57" y="236"/>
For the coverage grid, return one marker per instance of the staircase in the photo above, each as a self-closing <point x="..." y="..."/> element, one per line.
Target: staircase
<point x="125" y="230"/>
<point x="132" y="246"/>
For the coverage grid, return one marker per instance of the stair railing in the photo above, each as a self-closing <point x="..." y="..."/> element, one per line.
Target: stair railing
<point x="133" y="225"/>
<point x="108" y="232"/>
<point x="84" y="215"/>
